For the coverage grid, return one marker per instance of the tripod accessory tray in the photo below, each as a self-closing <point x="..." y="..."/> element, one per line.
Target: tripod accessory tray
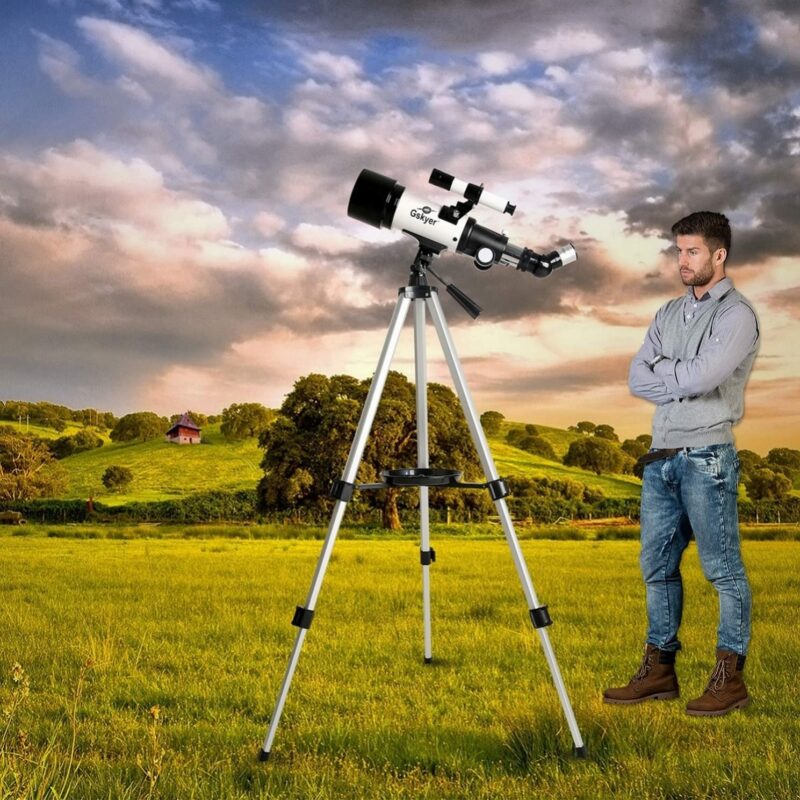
<point x="433" y="477"/>
<point x="421" y="476"/>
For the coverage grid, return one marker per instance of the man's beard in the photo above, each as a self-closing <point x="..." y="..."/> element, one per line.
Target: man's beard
<point x="699" y="278"/>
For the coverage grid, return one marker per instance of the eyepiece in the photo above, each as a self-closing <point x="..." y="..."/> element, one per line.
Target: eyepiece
<point x="563" y="255"/>
<point x="374" y="199"/>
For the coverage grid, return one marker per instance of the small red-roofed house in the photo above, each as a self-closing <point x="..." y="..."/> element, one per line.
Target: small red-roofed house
<point x="184" y="431"/>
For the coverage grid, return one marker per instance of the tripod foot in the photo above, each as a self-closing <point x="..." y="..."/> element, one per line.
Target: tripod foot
<point x="580" y="752"/>
<point x="427" y="660"/>
<point x="263" y="755"/>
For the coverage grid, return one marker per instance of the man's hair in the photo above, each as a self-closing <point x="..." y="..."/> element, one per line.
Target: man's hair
<point x="713" y="227"/>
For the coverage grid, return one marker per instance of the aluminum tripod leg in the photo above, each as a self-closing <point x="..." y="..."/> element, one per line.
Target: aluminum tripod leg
<point x="426" y="554"/>
<point x="303" y="616"/>
<point x="487" y="463"/>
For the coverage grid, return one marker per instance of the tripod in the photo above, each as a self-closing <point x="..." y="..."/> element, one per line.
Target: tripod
<point x="423" y="296"/>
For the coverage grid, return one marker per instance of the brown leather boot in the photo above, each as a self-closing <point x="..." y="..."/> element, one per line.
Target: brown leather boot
<point x="655" y="680"/>
<point x="725" y="690"/>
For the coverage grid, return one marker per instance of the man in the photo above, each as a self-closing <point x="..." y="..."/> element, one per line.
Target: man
<point x="694" y="365"/>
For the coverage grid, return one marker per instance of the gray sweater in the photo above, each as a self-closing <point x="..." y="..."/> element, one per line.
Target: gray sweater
<point x="704" y="350"/>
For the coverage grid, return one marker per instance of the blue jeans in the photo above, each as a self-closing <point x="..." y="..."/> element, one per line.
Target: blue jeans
<point x="694" y="492"/>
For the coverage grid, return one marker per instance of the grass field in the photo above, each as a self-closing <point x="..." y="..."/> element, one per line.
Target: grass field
<point x="513" y="461"/>
<point x="153" y="666"/>
<point x="44" y="431"/>
<point x="162" y="470"/>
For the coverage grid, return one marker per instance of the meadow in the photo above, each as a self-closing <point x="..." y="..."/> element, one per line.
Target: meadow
<point x="148" y="667"/>
<point x="164" y="471"/>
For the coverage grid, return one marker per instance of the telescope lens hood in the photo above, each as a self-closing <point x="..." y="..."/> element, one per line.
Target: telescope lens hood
<point x="374" y="199"/>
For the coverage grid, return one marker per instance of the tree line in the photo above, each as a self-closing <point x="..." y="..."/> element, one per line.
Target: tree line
<point x="599" y="450"/>
<point x="306" y="442"/>
<point x="52" y="415"/>
<point x="29" y="466"/>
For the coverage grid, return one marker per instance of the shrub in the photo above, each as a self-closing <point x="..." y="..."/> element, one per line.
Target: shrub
<point x="596" y="454"/>
<point x="117" y="478"/>
<point x="490" y="420"/>
<point x="538" y="446"/>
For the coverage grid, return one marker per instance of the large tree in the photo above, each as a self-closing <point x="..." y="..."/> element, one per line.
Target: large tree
<point x="785" y="460"/>
<point x="245" y="420"/>
<point x="141" y="426"/>
<point x="27" y="468"/>
<point x="634" y="447"/>
<point x="306" y="448"/>
<point x="606" y="432"/>
<point x="491" y="420"/>
<point x="764" y="484"/>
<point x="749" y="462"/>
<point x="117" y="478"/>
<point x="84" y="439"/>
<point x="598" y="455"/>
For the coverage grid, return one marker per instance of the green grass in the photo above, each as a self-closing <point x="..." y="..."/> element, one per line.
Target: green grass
<point x="162" y="470"/>
<point x="108" y="630"/>
<point x="598" y="530"/>
<point x="513" y="461"/>
<point x="559" y="438"/>
<point x="45" y="432"/>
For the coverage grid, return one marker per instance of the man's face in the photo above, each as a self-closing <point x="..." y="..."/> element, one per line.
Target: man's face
<point x="698" y="265"/>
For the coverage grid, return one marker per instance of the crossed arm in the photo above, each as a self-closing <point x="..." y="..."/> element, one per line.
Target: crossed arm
<point x="662" y="380"/>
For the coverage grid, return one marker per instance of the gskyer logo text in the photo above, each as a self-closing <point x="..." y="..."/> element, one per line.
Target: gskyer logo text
<point x="422" y="215"/>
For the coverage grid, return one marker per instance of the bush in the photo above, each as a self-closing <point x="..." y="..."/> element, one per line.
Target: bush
<point x="117" y="478"/>
<point x="69" y="445"/>
<point x="538" y="446"/>
<point x="764" y="484"/>
<point x="596" y="454"/>
<point x="491" y="420"/>
<point x="141" y="426"/>
<point x="634" y="447"/>
<point x="514" y="436"/>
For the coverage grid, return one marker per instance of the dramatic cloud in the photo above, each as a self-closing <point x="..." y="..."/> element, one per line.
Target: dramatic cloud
<point x="174" y="181"/>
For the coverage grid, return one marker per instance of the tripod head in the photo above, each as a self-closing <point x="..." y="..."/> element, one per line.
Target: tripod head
<point x="383" y="203"/>
<point x="422" y="264"/>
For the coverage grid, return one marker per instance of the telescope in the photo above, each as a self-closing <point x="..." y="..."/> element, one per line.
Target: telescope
<point x="383" y="203"/>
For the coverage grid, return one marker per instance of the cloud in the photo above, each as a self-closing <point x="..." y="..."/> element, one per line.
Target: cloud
<point x="140" y="52"/>
<point x="324" y="239"/>
<point x="195" y="167"/>
<point x="565" y="43"/>
<point x="337" y="68"/>
<point x="779" y="34"/>
<point x="62" y="64"/>
<point x="788" y="300"/>
<point x="83" y="186"/>
<point x="268" y="224"/>
<point x="499" y="62"/>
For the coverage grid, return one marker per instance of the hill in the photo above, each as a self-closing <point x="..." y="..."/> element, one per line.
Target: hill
<point x="162" y="470"/>
<point x="45" y="432"/>
<point x="511" y="460"/>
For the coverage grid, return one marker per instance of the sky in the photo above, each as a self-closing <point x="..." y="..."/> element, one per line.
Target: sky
<point x="174" y="179"/>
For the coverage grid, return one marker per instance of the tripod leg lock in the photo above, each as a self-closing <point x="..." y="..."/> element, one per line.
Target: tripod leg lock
<point x="540" y="617"/>
<point x="498" y="489"/>
<point x="427" y="557"/>
<point x="342" y="490"/>
<point x="302" y="617"/>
